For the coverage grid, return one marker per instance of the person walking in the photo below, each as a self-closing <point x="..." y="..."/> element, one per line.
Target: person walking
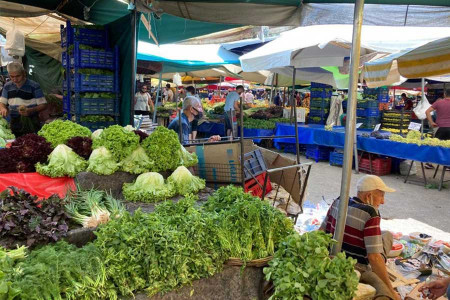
<point x="143" y="103"/>
<point x="442" y="108"/>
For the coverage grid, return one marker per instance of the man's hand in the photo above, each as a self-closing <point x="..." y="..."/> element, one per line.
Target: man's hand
<point x="25" y="112"/>
<point x="214" y="138"/>
<point x="434" y="290"/>
<point x="3" y="110"/>
<point x="433" y="124"/>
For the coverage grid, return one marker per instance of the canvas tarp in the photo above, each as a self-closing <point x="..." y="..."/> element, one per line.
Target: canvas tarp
<point x="431" y="59"/>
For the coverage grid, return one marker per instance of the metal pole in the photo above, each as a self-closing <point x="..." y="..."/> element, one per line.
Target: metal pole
<point x="297" y="147"/>
<point x="157" y="97"/>
<point x="133" y="64"/>
<point x="271" y="89"/>
<point x="423" y="95"/>
<point x="350" y="126"/>
<point x="241" y="121"/>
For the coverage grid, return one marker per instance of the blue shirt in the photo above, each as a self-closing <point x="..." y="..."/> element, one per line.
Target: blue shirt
<point x="174" y="125"/>
<point x="29" y="95"/>
<point x="229" y="101"/>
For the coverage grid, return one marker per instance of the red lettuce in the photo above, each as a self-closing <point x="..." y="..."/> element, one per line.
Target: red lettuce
<point x="81" y="146"/>
<point x="142" y="135"/>
<point x="33" y="148"/>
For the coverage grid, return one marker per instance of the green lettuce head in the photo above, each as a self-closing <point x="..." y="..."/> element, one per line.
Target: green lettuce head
<point x="62" y="162"/>
<point x="148" y="187"/>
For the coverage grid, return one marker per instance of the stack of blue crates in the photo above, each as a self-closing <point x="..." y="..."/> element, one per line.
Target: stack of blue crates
<point x="367" y="110"/>
<point x="381" y="93"/>
<point x="320" y="103"/>
<point x="88" y="48"/>
<point x="317" y="152"/>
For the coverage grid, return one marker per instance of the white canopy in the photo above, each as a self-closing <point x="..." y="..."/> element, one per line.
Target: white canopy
<point x="329" y="45"/>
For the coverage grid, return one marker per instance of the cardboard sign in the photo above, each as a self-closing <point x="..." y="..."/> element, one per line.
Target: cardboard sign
<point x="377" y="127"/>
<point x="414" y="126"/>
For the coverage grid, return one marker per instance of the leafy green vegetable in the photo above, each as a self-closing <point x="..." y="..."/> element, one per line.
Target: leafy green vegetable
<point x="3" y="122"/>
<point x="96" y="134"/>
<point x="163" y="148"/>
<point x="59" y="132"/>
<point x="97" y="118"/>
<point x="102" y="95"/>
<point x="302" y="267"/>
<point x="102" y="162"/>
<point x="119" y="141"/>
<point x="2" y="143"/>
<point x="263" y="124"/>
<point x="184" y="182"/>
<point x="6" y="133"/>
<point x="62" y="162"/>
<point x="137" y="162"/>
<point x="148" y="187"/>
<point x="188" y="159"/>
<point x="91" y="71"/>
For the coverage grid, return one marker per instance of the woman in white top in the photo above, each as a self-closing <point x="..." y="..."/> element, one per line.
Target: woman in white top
<point x="143" y="103"/>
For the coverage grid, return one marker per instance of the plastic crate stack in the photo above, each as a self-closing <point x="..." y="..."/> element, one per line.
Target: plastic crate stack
<point x="317" y="152"/>
<point x="367" y="112"/>
<point x="91" y="83"/>
<point x="396" y="121"/>
<point x="319" y="103"/>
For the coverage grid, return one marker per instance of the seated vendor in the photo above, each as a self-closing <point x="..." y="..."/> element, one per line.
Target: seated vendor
<point x="22" y="99"/>
<point x="192" y="110"/>
<point x="363" y="239"/>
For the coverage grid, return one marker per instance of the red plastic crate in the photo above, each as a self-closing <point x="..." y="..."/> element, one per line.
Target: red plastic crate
<point x="380" y="166"/>
<point x="253" y="187"/>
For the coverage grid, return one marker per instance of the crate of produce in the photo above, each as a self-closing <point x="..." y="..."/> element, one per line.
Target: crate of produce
<point x="94" y="106"/>
<point x="100" y="59"/>
<point x="367" y="104"/>
<point x="368" y="122"/>
<point x="93" y="126"/>
<point x="383" y="106"/>
<point x="319" y="102"/>
<point x="336" y="158"/>
<point x="318" y="120"/>
<point x="317" y="153"/>
<point x="254" y="164"/>
<point x="381" y="94"/>
<point x="380" y="166"/>
<point x="87" y="35"/>
<point x="321" y="93"/>
<point x="367" y="112"/>
<point x="320" y="85"/>
<point x="255" y="186"/>
<point x="317" y="112"/>
<point x="94" y="83"/>
<point x="290" y="148"/>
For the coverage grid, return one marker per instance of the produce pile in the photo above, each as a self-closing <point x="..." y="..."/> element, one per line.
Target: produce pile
<point x="268" y="113"/>
<point x="64" y="148"/>
<point x="5" y="132"/>
<point x="156" y="252"/>
<point x="263" y="124"/>
<point x="414" y="137"/>
<point x="302" y="267"/>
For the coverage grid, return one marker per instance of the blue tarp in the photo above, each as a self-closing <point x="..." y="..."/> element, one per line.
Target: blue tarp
<point x="211" y="128"/>
<point x="257" y="132"/>
<point x="316" y="134"/>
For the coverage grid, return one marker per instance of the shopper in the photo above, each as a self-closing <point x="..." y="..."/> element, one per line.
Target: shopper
<point x="192" y="109"/>
<point x="143" y="103"/>
<point x="363" y="239"/>
<point x="168" y="94"/>
<point x="190" y="91"/>
<point x="232" y="107"/>
<point x="22" y="99"/>
<point x="277" y="99"/>
<point x="442" y="108"/>
<point x="436" y="289"/>
<point x="249" y="97"/>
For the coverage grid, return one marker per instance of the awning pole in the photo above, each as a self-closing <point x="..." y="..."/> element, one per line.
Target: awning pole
<point x="157" y="97"/>
<point x="133" y="64"/>
<point x="271" y="89"/>
<point x="297" y="146"/>
<point x="241" y="121"/>
<point x="350" y="127"/>
<point x="423" y="95"/>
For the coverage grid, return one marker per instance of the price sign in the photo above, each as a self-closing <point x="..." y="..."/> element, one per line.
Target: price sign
<point x="358" y="125"/>
<point x="377" y="127"/>
<point x="414" y="126"/>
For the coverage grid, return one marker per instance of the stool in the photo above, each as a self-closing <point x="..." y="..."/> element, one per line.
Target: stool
<point x="444" y="168"/>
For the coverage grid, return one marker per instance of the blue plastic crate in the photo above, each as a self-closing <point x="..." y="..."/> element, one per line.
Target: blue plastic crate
<point x="320" y="85"/>
<point x="290" y="148"/>
<point x="97" y="125"/>
<point x="367" y="112"/>
<point x="321" y="93"/>
<point x="367" y="104"/>
<point x="318" y="112"/>
<point x="320" y="102"/>
<point x="94" y="83"/>
<point x="382" y="93"/>
<point x="336" y="158"/>
<point x="86" y="36"/>
<point x="99" y="59"/>
<point x="95" y="106"/>
<point x="317" y="152"/>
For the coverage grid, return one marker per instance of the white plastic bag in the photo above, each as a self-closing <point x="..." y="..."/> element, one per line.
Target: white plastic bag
<point x="177" y="79"/>
<point x="421" y="108"/>
<point x="15" y="42"/>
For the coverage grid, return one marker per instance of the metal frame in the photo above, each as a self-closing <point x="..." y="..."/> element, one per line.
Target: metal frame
<point x="441" y="182"/>
<point x="302" y="187"/>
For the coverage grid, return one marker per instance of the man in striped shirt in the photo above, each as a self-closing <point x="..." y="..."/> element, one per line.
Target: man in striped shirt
<point x="363" y="239"/>
<point x="22" y="99"/>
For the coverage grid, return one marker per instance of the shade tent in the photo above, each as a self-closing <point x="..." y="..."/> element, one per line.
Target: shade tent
<point x="196" y="75"/>
<point x="431" y="59"/>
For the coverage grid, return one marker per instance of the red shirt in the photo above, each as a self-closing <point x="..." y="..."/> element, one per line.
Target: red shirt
<point x="442" y="108"/>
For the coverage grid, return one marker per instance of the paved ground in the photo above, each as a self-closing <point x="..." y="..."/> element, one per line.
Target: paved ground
<point x="411" y="201"/>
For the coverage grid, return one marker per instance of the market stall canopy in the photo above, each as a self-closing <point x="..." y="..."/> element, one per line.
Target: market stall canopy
<point x="329" y="45"/>
<point x="431" y="59"/>
<point x="184" y="58"/>
<point x="282" y="77"/>
<point x="200" y="74"/>
<point x="258" y="76"/>
<point x="260" y="12"/>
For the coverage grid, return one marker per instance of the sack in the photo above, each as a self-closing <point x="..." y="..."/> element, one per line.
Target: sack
<point x="15" y="42"/>
<point x="421" y="108"/>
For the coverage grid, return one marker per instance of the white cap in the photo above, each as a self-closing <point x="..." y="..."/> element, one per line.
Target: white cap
<point x="371" y="183"/>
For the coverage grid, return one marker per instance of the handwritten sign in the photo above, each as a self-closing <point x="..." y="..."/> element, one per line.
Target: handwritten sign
<point x="377" y="127"/>
<point x="414" y="126"/>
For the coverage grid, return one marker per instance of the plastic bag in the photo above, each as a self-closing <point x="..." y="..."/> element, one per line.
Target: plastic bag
<point x="177" y="79"/>
<point x="421" y="108"/>
<point x="15" y="42"/>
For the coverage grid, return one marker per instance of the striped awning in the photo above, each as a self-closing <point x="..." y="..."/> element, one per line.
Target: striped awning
<point x="431" y="59"/>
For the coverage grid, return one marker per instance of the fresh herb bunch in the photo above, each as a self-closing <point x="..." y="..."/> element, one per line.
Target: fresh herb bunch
<point x="302" y="267"/>
<point x="163" y="148"/>
<point x="81" y="146"/>
<point x="24" y="218"/>
<point x="59" y="132"/>
<point x="96" y="118"/>
<point x="119" y="141"/>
